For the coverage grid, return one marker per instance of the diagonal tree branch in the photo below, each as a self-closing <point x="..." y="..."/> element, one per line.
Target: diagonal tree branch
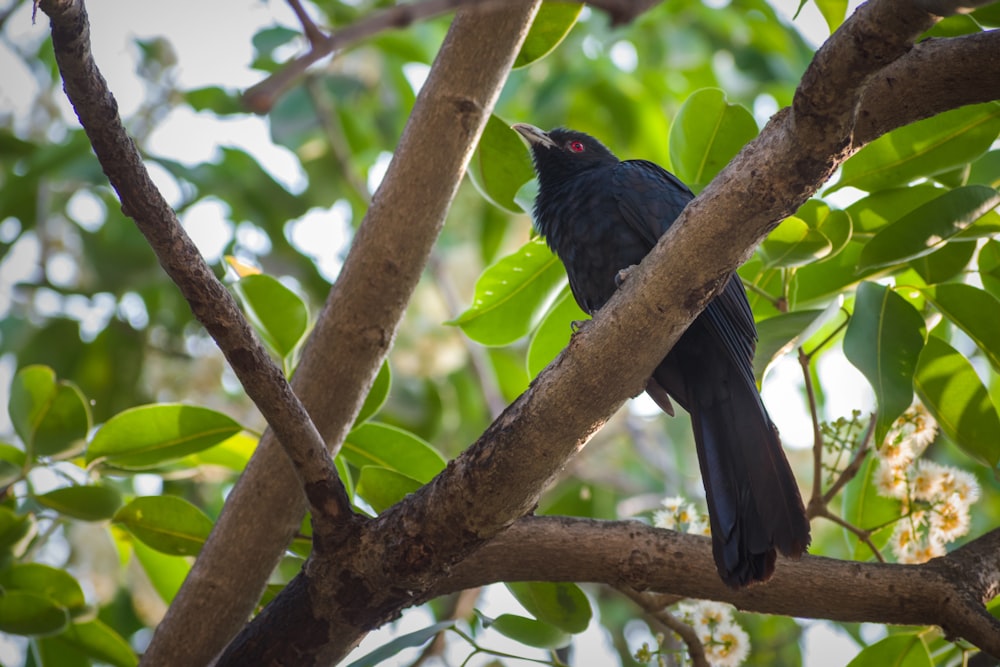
<point x="212" y="304"/>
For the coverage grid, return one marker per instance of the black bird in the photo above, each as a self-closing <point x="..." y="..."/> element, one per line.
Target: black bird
<point x="601" y="215"/>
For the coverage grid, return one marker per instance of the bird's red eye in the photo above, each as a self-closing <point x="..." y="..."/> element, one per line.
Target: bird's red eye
<point x="576" y="146"/>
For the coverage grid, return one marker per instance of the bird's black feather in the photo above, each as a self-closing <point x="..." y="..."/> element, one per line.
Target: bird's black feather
<point x="602" y="215"/>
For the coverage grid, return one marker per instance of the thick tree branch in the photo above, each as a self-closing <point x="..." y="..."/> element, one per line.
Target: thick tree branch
<point x="950" y="592"/>
<point x="212" y="304"/>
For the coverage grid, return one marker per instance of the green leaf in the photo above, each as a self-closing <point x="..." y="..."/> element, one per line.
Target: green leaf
<point x="551" y="25"/>
<point x="512" y="295"/>
<point x="793" y="243"/>
<point x="166" y="573"/>
<point x="883" y="340"/>
<point x="705" y="135"/>
<point x="14" y="529"/>
<point x="99" y="642"/>
<point x="278" y="313"/>
<point x="952" y="391"/>
<point x="382" y="488"/>
<point x="833" y="12"/>
<point x="864" y="508"/>
<point x="87" y="503"/>
<point x="50" y="417"/>
<point x="832" y="223"/>
<point x="989" y="267"/>
<point x="554" y="333"/>
<point x="986" y="170"/>
<point x="562" y="604"/>
<point x="974" y="311"/>
<point x="376" y="395"/>
<point x="392" y="448"/>
<point x="149" y="435"/>
<point x="530" y="632"/>
<point x="946" y="263"/>
<point x="24" y="613"/>
<point x="232" y="453"/>
<point x="777" y="335"/>
<point x="409" y="640"/>
<point x="169" y="524"/>
<point x="874" y="212"/>
<point x="500" y="165"/>
<point x="928" y="227"/>
<point x="57" y="585"/>
<point x="12" y="460"/>
<point x="216" y="99"/>
<point x="924" y="148"/>
<point x="903" y="650"/>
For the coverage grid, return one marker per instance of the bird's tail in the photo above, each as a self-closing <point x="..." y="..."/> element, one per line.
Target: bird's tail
<point x="753" y="500"/>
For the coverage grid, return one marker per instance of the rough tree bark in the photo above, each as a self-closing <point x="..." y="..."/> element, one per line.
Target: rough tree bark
<point x="362" y="573"/>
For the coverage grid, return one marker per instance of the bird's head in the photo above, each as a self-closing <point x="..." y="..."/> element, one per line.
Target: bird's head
<point x="564" y="153"/>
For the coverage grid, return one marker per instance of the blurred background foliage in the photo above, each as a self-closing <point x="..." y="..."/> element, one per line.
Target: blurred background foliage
<point x="92" y="330"/>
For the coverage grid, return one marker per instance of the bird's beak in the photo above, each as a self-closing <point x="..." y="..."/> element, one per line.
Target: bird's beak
<point x="533" y="135"/>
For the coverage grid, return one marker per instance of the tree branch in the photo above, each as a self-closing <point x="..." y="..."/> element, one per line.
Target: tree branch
<point x="950" y="592"/>
<point x="212" y="304"/>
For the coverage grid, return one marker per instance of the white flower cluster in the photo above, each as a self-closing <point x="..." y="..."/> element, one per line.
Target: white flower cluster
<point x="935" y="498"/>
<point x="726" y="643"/>
<point x="681" y="515"/>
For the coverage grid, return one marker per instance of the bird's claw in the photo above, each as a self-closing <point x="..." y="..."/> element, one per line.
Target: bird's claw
<point x="623" y="275"/>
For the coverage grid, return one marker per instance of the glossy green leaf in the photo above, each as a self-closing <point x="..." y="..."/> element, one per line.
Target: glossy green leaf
<point x="392" y="448"/>
<point x="232" y="453"/>
<point x="530" y="632"/>
<point x="833" y="12"/>
<point x="974" y="311"/>
<point x="12" y="460"/>
<point x="952" y="391"/>
<point x="26" y="613"/>
<point x="409" y="640"/>
<point x="552" y="23"/>
<point x="87" y="503"/>
<point x="100" y="642"/>
<point x="376" y="395"/>
<point x="793" y="243"/>
<point x="706" y="134"/>
<point x="560" y="604"/>
<point x="924" y="148"/>
<point x="15" y="529"/>
<point x="883" y="340"/>
<point x="382" y="488"/>
<point x="500" y="165"/>
<point x="986" y="170"/>
<point x="554" y="333"/>
<point x="864" y="508"/>
<point x="872" y="213"/>
<point x="989" y="267"/>
<point x="945" y="263"/>
<point x="279" y="314"/>
<point x="149" y="435"/>
<point x="928" y="227"/>
<point x="777" y="335"/>
<point x="903" y="650"/>
<point x="832" y="223"/>
<point x="57" y="585"/>
<point x="169" y="524"/>
<point x="165" y="572"/>
<point x="50" y="416"/>
<point x="512" y="295"/>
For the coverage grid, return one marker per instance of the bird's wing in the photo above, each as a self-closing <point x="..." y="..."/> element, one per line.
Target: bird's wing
<point x="650" y="198"/>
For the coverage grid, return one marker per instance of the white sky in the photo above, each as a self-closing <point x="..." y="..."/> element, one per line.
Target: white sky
<point x="212" y="42"/>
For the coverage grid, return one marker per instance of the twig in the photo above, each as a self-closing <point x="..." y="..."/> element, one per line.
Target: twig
<point x="848" y="473"/>
<point x="313" y="34"/>
<point x="862" y="534"/>
<point x="211" y="303"/>
<point x="262" y="96"/>
<point x="657" y="611"/>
